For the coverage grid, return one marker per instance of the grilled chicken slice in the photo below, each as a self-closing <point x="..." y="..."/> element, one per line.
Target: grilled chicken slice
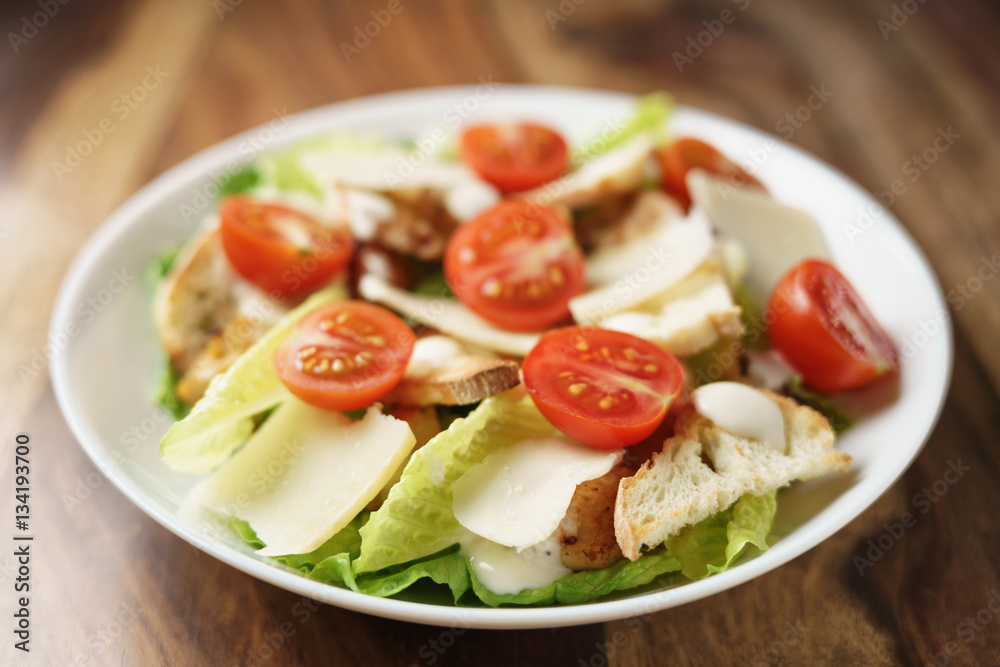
<point x="587" y="532"/>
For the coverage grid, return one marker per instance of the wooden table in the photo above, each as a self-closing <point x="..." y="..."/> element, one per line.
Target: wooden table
<point x="112" y="587"/>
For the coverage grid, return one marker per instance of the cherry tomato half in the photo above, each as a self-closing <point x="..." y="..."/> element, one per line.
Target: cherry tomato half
<point x="607" y="389"/>
<point x="517" y="265"/>
<point x="280" y="249"/>
<point x="683" y="155"/>
<point x="345" y="356"/>
<point x="514" y="157"/>
<point x="823" y="328"/>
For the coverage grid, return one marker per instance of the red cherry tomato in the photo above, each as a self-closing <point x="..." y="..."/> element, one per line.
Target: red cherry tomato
<point x="825" y="331"/>
<point x="280" y="249"/>
<point x="345" y="356"/>
<point x="517" y="265"/>
<point x="605" y="388"/>
<point x="514" y="157"/>
<point x="683" y="155"/>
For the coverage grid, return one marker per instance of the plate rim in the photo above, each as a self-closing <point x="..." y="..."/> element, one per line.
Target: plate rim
<point x="428" y="614"/>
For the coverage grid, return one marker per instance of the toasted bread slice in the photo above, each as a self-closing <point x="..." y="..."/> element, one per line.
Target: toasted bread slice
<point x="703" y="470"/>
<point x="452" y="374"/>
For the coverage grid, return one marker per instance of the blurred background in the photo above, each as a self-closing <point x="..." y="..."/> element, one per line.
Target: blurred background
<point x="867" y="85"/>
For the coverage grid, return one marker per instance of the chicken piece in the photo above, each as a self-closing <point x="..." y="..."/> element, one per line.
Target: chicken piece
<point x="421" y="227"/>
<point x="587" y="532"/>
<point x="218" y="355"/>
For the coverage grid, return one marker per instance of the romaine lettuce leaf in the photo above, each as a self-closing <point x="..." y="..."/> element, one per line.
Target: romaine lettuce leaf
<point x="652" y="112"/>
<point x="166" y="392"/>
<point x="223" y="419"/>
<point x="714" y="544"/>
<point x="284" y="170"/>
<point x="821" y="403"/>
<point x="416" y="519"/>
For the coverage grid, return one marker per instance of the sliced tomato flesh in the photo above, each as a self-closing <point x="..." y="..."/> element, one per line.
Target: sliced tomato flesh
<point x="605" y="388"/>
<point x="345" y="356"/>
<point x="516" y="265"/>
<point x="685" y="154"/>
<point x="282" y="250"/>
<point x="515" y="156"/>
<point x="822" y="327"/>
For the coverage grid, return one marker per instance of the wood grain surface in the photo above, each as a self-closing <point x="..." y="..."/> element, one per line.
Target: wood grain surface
<point x="111" y="587"/>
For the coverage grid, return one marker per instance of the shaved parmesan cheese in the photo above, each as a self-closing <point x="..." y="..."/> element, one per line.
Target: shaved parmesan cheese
<point x="306" y="473"/>
<point x="447" y="316"/>
<point x="679" y="247"/>
<point x="776" y="237"/>
<point x="653" y="213"/>
<point x="619" y="170"/>
<point x="689" y="321"/>
<point x="517" y="495"/>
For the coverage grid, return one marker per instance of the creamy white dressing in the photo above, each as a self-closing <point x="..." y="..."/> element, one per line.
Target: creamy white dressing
<point x="467" y="200"/>
<point x="432" y="352"/>
<point x="743" y="411"/>
<point x="507" y="571"/>
<point x="517" y="495"/>
<point x="363" y="211"/>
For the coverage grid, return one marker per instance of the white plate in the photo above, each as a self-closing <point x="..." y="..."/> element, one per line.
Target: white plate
<point x="104" y="376"/>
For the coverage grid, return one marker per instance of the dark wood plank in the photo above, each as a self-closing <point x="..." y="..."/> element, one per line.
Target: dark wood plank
<point x="103" y="557"/>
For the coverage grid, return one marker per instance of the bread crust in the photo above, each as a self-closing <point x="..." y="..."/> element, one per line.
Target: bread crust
<point x="702" y="470"/>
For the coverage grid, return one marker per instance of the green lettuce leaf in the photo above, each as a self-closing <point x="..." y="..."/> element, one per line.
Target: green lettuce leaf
<point x="714" y="544"/>
<point x="244" y="180"/>
<point x="652" y="112"/>
<point x="166" y="392"/>
<point x="821" y="403"/>
<point x="416" y="519"/>
<point x="223" y="419"/>
<point x="592" y="584"/>
<point x="339" y="549"/>
<point x="285" y="172"/>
